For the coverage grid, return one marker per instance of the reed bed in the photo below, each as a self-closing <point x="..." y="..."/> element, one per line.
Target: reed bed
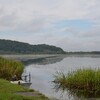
<point x="81" y="80"/>
<point x="8" y="68"/>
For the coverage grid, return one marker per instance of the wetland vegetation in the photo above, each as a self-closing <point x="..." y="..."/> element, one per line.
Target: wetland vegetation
<point x="82" y="82"/>
<point x="9" y="68"/>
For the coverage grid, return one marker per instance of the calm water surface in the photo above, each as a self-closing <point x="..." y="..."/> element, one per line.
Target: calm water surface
<point x="42" y="72"/>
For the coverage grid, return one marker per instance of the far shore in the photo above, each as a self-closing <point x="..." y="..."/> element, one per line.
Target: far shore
<point x="30" y="56"/>
<point x="36" y="56"/>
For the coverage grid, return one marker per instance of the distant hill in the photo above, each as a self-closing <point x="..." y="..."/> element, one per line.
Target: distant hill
<point x="15" y="47"/>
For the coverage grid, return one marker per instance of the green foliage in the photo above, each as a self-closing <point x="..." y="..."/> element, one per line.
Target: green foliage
<point x="87" y="80"/>
<point x="14" y="47"/>
<point x="8" y="68"/>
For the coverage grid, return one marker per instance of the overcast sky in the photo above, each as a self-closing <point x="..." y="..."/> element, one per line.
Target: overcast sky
<point x="73" y="25"/>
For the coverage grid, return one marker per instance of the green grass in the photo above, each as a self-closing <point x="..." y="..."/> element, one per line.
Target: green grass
<point x="84" y="80"/>
<point x="6" y="86"/>
<point x="9" y="68"/>
<point x="9" y="96"/>
<point x="8" y="90"/>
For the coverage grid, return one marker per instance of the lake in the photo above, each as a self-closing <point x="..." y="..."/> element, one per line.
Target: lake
<point x="43" y="70"/>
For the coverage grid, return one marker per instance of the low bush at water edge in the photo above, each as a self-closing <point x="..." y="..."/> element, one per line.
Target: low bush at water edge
<point x="87" y="80"/>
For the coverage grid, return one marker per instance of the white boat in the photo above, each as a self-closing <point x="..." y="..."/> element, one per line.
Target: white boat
<point x="21" y="82"/>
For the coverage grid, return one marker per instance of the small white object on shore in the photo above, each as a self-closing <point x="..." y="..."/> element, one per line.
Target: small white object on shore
<point x="21" y="82"/>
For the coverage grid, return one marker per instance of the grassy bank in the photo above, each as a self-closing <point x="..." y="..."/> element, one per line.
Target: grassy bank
<point x="82" y="80"/>
<point x="8" y="92"/>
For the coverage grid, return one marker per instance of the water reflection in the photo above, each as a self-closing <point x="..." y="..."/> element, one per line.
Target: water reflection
<point x="43" y="61"/>
<point x="79" y="94"/>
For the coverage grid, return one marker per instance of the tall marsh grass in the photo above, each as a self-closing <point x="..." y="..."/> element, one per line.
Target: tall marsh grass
<point x="8" y="68"/>
<point x="87" y="80"/>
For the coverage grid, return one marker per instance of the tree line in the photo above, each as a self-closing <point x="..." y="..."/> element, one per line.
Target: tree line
<point x="15" y="47"/>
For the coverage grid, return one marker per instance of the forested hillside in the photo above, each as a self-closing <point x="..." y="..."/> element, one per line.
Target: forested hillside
<point x="15" y="47"/>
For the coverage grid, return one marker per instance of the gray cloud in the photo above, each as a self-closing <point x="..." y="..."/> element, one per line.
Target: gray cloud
<point x="23" y="13"/>
<point x="33" y="21"/>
